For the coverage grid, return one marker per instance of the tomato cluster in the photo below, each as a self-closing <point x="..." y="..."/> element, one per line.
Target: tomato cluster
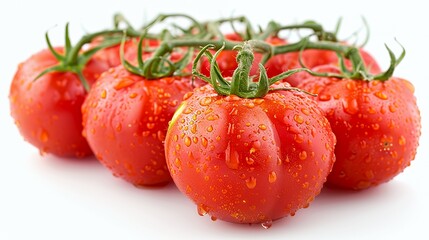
<point x="250" y="127"/>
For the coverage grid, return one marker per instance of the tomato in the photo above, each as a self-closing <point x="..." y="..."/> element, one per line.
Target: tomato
<point x="125" y="118"/>
<point x="227" y="58"/>
<point x="377" y="125"/>
<point x="312" y="58"/>
<point x="249" y="160"/>
<point x="111" y="55"/>
<point x="47" y="110"/>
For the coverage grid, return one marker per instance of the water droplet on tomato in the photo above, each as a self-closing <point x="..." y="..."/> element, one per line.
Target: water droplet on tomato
<point x="213" y="218"/>
<point x="262" y="127"/>
<point x="103" y="94"/>
<point x="177" y="162"/>
<point x="272" y="177"/>
<point x="150" y="125"/>
<point x="251" y="182"/>
<point x="324" y="97"/>
<point x="375" y="126"/>
<point x="202" y="209"/>
<point x="125" y="82"/>
<point x="298" y="118"/>
<point x="194" y="129"/>
<point x="210" y="128"/>
<point x="299" y="138"/>
<point x="133" y="95"/>
<point x="351" y="85"/>
<point x="204" y="142"/>
<point x="44" y="136"/>
<point x="305" y="185"/>
<point x="212" y="117"/>
<point x="231" y="157"/>
<point x="302" y="155"/>
<point x="187" y="141"/>
<point x="402" y="141"/>
<point x="350" y="105"/>
<point x="205" y="101"/>
<point x="267" y="224"/>
<point x="118" y="127"/>
<point x="381" y="95"/>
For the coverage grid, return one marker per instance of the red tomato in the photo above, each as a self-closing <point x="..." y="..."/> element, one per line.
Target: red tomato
<point x="125" y="120"/>
<point x="227" y="59"/>
<point x="249" y="160"/>
<point x="312" y="58"/>
<point x="47" y="111"/>
<point x="377" y="125"/>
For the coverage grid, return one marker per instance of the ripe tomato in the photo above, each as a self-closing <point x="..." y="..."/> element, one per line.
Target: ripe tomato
<point x="249" y="160"/>
<point x="377" y="125"/>
<point x="312" y="58"/>
<point x="125" y="120"/>
<point x="47" y="110"/>
<point x="227" y="58"/>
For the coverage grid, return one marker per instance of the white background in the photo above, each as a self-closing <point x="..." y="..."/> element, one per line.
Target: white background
<point x="52" y="198"/>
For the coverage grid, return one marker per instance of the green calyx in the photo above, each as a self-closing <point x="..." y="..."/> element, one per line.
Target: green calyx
<point x="241" y="83"/>
<point x="73" y="60"/>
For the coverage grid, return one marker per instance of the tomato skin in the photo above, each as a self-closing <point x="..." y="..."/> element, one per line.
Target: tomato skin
<point x="249" y="160"/>
<point x="377" y="125"/>
<point x="125" y="120"/>
<point x="312" y="58"/>
<point x="47" y="111"/>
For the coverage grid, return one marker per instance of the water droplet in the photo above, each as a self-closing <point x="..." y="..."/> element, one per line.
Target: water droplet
<point x="351" y="85"/>
<point x="202" y="209"/>
<point x="299" y="138"/>
<point x="392" y="108"/>
<point x="369" y="174"/>
<point x="125" y="82"/>
<point x="350" y="105"/>
<point x="298" y="118"/>
<point x="150" y="125"/>
<point x="177" y="162"/>
<point x="187" y="95"/>
<point x="205" y="101"/>
<point x="324" y="97"/>
<point x="381" y="95"/>
<point x="204" y="142"/>
<point x="375" y="126"/>
<point x="262" y="127"/>
<point x="194" y="129"/>
<point x="267" y="224"/>
<point x="272" y="177"/>
<point x="118" y="127"/>
<point x="44" y="137"/>
<point x="213" y="218"/>
<point x="187" y="141"/>
<point x="251" y="182"/>
<point x="302" y="155"/>
<point x="133" y="95"/>
<point x="188" y="189"/>
<point x="305" y="185"/>
<point x="250" y="160"/>
<point x="210" y="128"/>
<point x="305" y="111"/>
<point x="258" y="101"/>
<point x="103" y="94"/>
<point x="402" y="141"/>
<point x="231" y="157"/>
<point x="212" y="117"/>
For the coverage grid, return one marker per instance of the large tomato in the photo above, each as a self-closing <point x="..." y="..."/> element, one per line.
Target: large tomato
<point x="249" y="160"/>
<point x="125" y="118"/>
<point x="377" y="125"/>
<point x="47" y="110"/>
<point x="312" y="58"/>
